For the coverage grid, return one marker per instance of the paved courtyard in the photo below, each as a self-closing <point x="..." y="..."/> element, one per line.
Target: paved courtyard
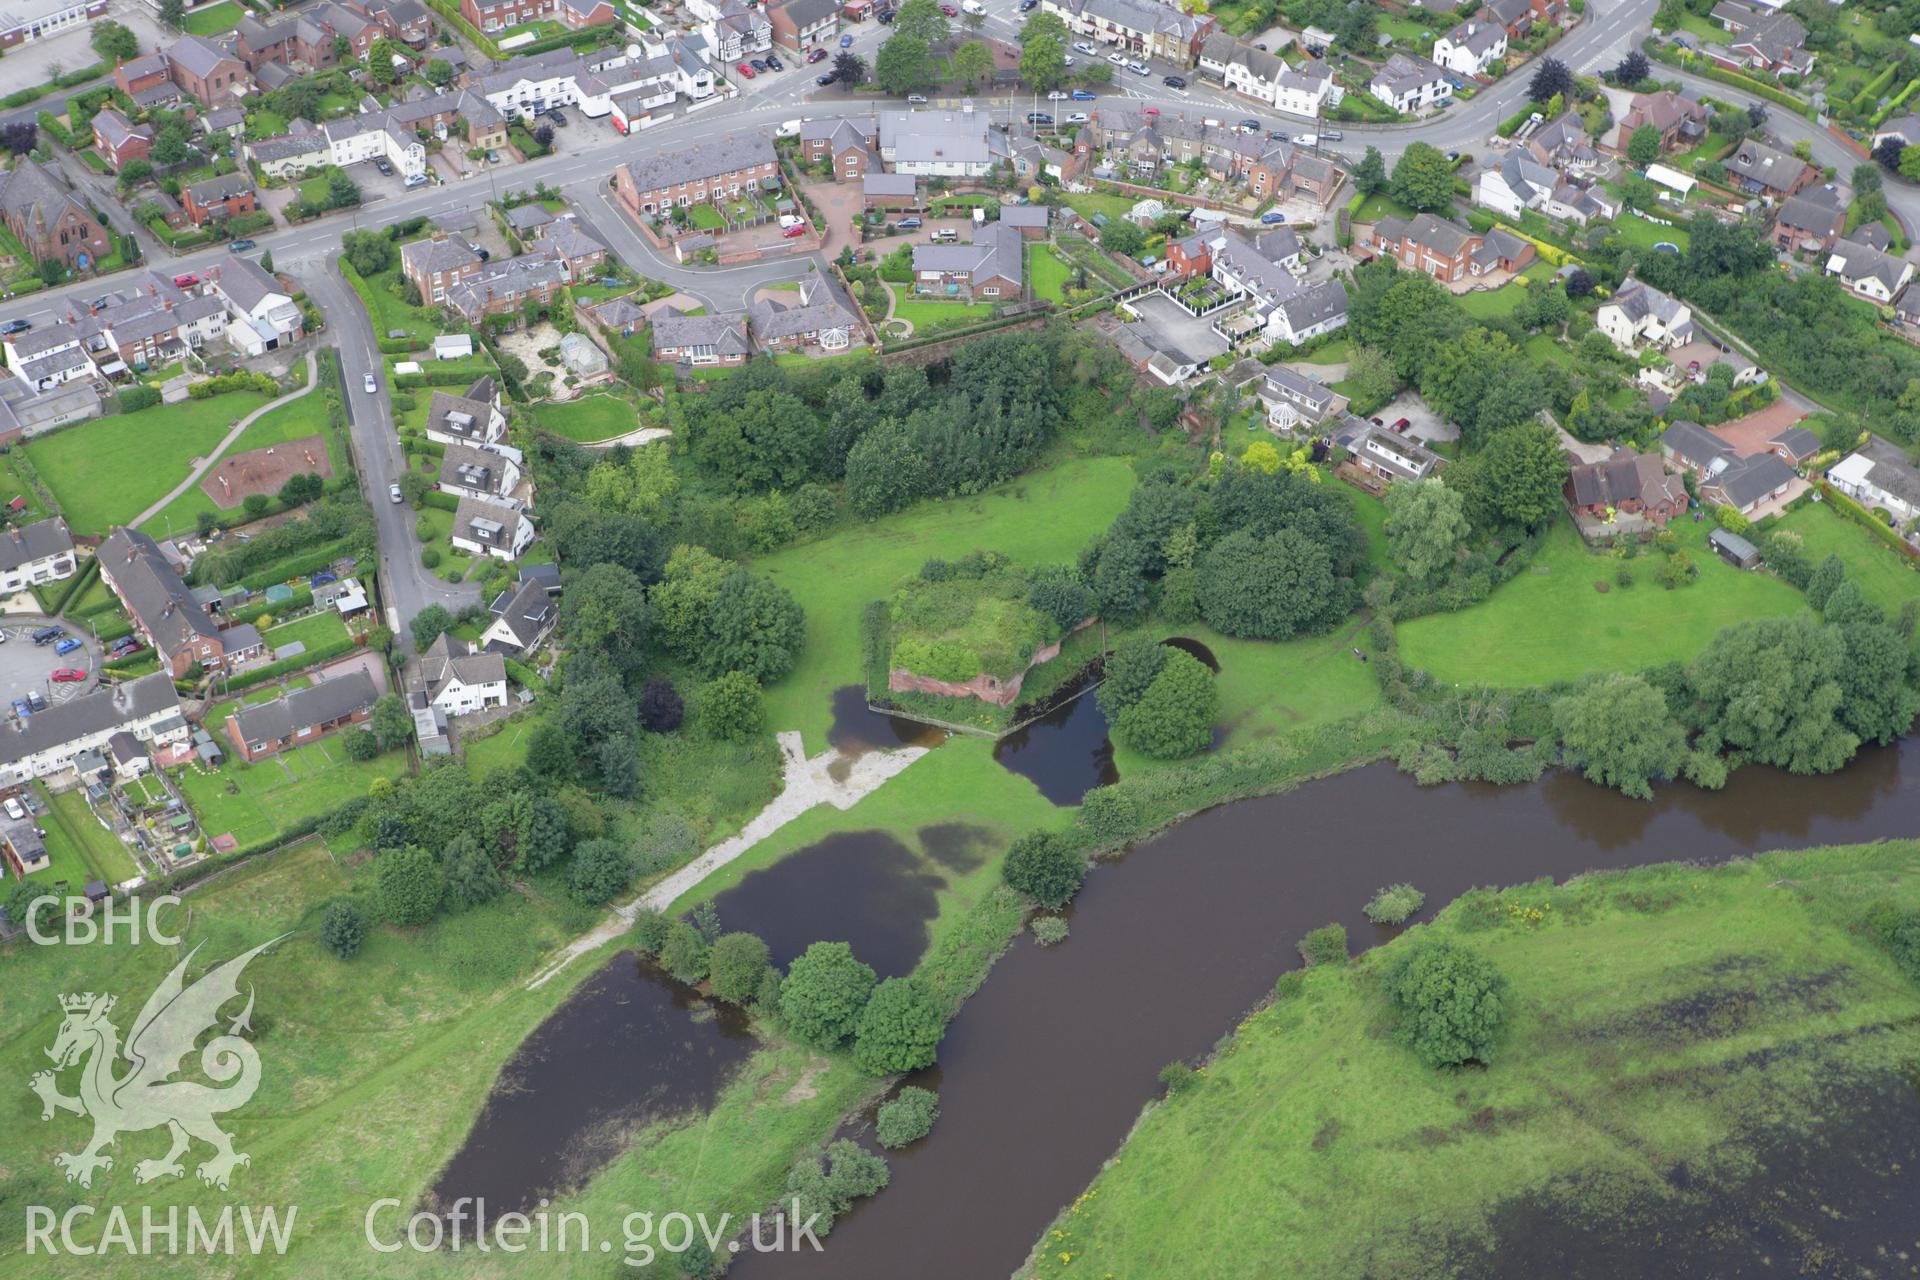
<point x="26" y="666"/>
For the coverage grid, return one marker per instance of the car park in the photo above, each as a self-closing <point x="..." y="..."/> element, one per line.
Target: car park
<point x="16" y="326"/>
<point x="68" y="645"/>
<point x="69" y="675"/>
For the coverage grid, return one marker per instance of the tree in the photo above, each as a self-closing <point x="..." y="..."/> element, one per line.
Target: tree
<point x="904" y="65"/>
<point x="543" y="136"/>
<point x="1619" y="732"/>
<point x="301" y="488"/>
<point x="1370" y="175"/>
<point x="342" y="930"/>
<point x="1271" y="588"/>
<point x="1829" y="575"/>
<point x="1173" y="718"/>
<point x="738" y="963"/>
<point x="552" y="752"/>
<point x="604" y="611"/>
<point x="1045" y="867"/>
<point x="113" y="41"/>
<point x="408" y="886"/>
<point x="1122" y="238"/>
<point x="1579" y="284"/>
<point x="684" y="596"/>
<point x="923" y="20"/>
<point x="1910" y="164"/>
<point x="1889" y="152"/>
<point x="1482" y="381"/>
<point x="973" y="64"/>
<point x="1422" y="178"/>
<point x="824" y="991"/>
<point x="600" y="870"/>
<point x="906" y="1117"/>
<point x="849" y="69"/>
<point x="173" y="14"/>
<point x="471" y="876"/>
<point x="342" y="190"/>
<point x="1516" y="479"/>
<point x="1632" y="69"/>
<point x="1553" y="79"/>
<point x="661" y="708"/>
<point x="1770" y="687"/>
<point x="429" y="624"/>
<point x="1643" y="147"/>
<point x="380" y="68"/>
<point x="1877" y="704"/>
<point x="439" y="72"/>
<point x="754" y="626"/>
<point x="1370" y="378"/>
<point x="731" y="708"/>
<point x="899" y="1029"/>
<point x="367" y="252"/>
<point x="1426" y="526"/>
<point x="1043" y="62"/>
<point x="169" y="149"/>
<point x="1450" y="1003"/>
<point x="1129" y="672"/>
<point x="685" y="954"/>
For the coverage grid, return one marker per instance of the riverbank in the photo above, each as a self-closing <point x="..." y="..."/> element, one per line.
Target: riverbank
<point x="1708" y="1054"/>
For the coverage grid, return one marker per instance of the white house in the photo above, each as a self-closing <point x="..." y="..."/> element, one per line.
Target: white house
<point x="522" y="617"/>
<point x="48" y="741"/>
<point x="453" y="679"/>
<point x="491" y="471"/>
<point x="352" y="139"/>
<point x="1878" y="474"/>
<point x="49" y="356"/>
<point x="473" y="418"/>
<point x="489" y="528"/>
<point x="1639" y="313"/>
<point x="34" y="553"/>
<point x="1470" y="48"/>
<point x="952" y="144"/>
<point x="1869" y="272"/>
<point x="1519" y="182"/>
<point x="262" y="313"/>
<point x="1307" y="90"/>
<point x="1409" y="83"/>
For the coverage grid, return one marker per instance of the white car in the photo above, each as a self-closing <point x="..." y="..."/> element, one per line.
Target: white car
<point x="1139" y="68"/>
<point x="15" y="809"/>
<point x="393" y="491"/>
<point x="1058" y="95"/>
<point x="1086" y="48"/>
<point x="1077" y="117"/>
<point x="1117" y="59"/>
<point x="367" y="381"/>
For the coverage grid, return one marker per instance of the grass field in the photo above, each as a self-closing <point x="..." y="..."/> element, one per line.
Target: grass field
<point x="214" y="18"/>
<point x="1640" y="233"/>
<point x="13" y="484"/>
<point x="272" y="795"/>
<point x="1047" y="275"/>
<point x="109" y="470"/>
<point x="1042" y="518"/>
<point x="1553" y="623"/>
<point x="1086" y="204"/>
<point x="1884" y="576"/>
<point x="388" y="313"/>
<point x="306" y="416"/>
<point x="1673" y="1017"/>
<point x="587" y="419"/>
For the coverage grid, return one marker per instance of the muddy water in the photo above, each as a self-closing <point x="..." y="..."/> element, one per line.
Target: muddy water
<point x="1047" y="1066"/>
<point x="863" y="888"/>
<point x="1066" y="752"/>
<point x="631" y="1046"/>
<point x="857" y="729"/>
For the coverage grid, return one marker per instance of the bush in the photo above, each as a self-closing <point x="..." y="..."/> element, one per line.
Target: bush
<point x="731" y="708"/>
<point x="342" y="930"/>
<point x="1289" y="984"/>
<point x="650" y="930"/>
<point x="1451" y="1003"/>
<point x="907" y="1117"/>
<point x="1325" y="945"/>
<point x="738" y="963"/>
<point x="1045" y="867"/>
<point x="362" y="745"/>
<point x="1395" y="904"/>
<point x="600" y="870"/>
<point x="899" y="1029"/>
<point x="1178" y="1077"/>
<point x="823" y="994"/>
<point x="1109" y="815"/>
<point x="1049" y="931"/>
<point x="685" y="953"/>
<point x="409" y="886"/>
<point x="134" y="399"/>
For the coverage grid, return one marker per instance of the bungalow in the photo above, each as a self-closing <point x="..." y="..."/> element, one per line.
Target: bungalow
<point x="1470" y="48"/>
<point x="1633" y="483"/>
<point x="487" y="528"/>
<point x="992" y="267"/>
<point x="1408" y="83"/>
<point x="1384" y="454"/>
<point x="473" y="418"/>
<point x="699" y="340"/>
<point x="1726" y="479"/>
<point x="818" y="320"/>
<point x="1448" y="251"/>
<point x="1762" y="41"/>
<point x="302" y="716"/>
<point x="1879" y="476"/>
<point x="1760" y="170"/>
<point x="453" y="679"/>
<point x="1868" y="272"/>
<point x="523" y="615"/>
<point x="1639" y="313"/>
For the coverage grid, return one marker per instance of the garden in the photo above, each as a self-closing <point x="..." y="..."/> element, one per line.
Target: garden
<point x="587" y="419"/>
<point x="254" y="803"/>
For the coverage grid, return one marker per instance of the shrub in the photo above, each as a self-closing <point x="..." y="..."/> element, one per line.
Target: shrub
<point x="731" y="708"/>
<point x="342" y="930"/>
<point x="1044" y="867"/>
<point x="408" y="884"/>
<point x="1289" y="984"/>
<point x="1178" y="1077"/>
<point x="1325" y="945"/>
<point x="134" y="399"/>
<point x="899" y="1029"/>
<point x="823" y="994"/>
<point x="1450" y="1001"/>
<point x="1108" y="814"/>
<point x="738" y="963"/>
<point x="907" y="1117"/>
<point x="600" y="869"/>
<point x="430" y="557"/>
<point x="685" y="953"/>
<point x="1395" y="904"/>
<point x="650" y="930"/>
<point x="362" y="745"/>
<point x="1049" y="931"/>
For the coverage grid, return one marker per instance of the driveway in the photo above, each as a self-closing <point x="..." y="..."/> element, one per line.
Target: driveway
<point x="1427" y="425"/>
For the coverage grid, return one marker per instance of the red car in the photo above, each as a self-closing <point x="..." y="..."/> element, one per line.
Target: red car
<point x="816" y="55"/>
<point x="949" y="10"/>
<point x="68" y="675"/>
<point x="1402" y="424"/>
<point x="791" y="232"/>
<point x="186" y="281"/>
<point x="745" y="71"/>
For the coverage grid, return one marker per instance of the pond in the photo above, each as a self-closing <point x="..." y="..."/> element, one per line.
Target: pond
<point x="1047" y="1066"/>
<point x="1066" y="752"/>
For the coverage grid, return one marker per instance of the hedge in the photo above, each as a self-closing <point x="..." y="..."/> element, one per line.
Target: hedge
<point x="57" y="604"/>
<point x="321" y="557"/>
<point x="525" y="676"/>
<point x="146" y="659"/>
<point x="1853" y="511"/>
<point x="444" y="373"/>
<point x="300" y="599"/>
<point x="1894" y="103"/>
<point x="440" y="500"/>
<point x="1663" y="53"/>
<point x="287" y="666"/>
<point x="113" y="630"/>
<point x="1874" y="87"/>
<point x="22" y="97"/>
<point x="451" y="12"/>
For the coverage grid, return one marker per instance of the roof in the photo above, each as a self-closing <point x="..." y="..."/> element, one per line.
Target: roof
<point x="672" y="328"/>
<point x="160" y="601"/>
<point x="224" y="187"/>
<point x="1855" y="262"/>
<point x="443" y="253"/>
<point x="1752" y="479"/>
<point x="1404" y="72"/>
<point x="268" y="722"/>
<point x="1478" y="38"/>
<point x="40" y="540"/>
<point x="1638" y="300"/>
<point x="1444" y="237"/>
<point x="1693" y="443"/>
<point x="528" y="216"/>
<point x="701" y="160"/>
<point x="1740" y="548"/>
<point x="1626" y="477"/>
<point x="459" y="415"/>
<point x="805" y="13"/>
<point x="1024" y="215"/>
<point x="889" y="184"/>
<point x="997" y="252"/>
<point x="470" y="468"/>
<point x="1884" y="465"/>
<point x="30" y="191"/>
<point x="525" y="610"/>
<point x="1804" y="213"/>
<point x="116" y="130"/>
<point x="930" y="137"/>
<point x="246" y="282"/>
<point x="441" y="665"/>
<point x="104" y="709"/>
<point x="488" y="523"/>
<point x="1801" y="442"/>
<point x="547" y="575"/>
<point x="1764" y="167"/>
<point x="200" y="56"/>
<point x="818" y="310"/>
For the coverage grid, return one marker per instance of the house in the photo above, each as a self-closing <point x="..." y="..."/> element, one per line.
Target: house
<point x="474" y="472"/>
<point x="1633" y="483"/>
<point x="567" y="241"/>
<point x="894" y="192"/>
<point x="48" y="219"/>
<point x="227" y="196"/>
<point x="473" y="418"/>
<point x="523" y="615"/>
<point x="40" y="19"/>
<point x="1639" y="313"/>
<point x="950" y="144"/>
<point x="1868" y="272"/>
<point x="1408" y="83"/>
<point x="34" y="553"/>
<point x="438" y="264"/>
<point x="701" y="173"/>
<point x="1907" y="306"/>
<point x="164" y="613"/>
<point x="801" y="24"/>
<point x="130" y="759"/>
<point x="302" y="716"/>
<point x="455" y="680"/>
<point x="1384" y="454"/>
<point x="119" y="139"/>
<point x="1565" y="144"/>
<point x="849" y="143"/>
<point x="1903" y="129"/>
<point x="487" y="528"/>
<point x="1470" y="48"/>
<point x="1306" y="90"/>
<point x="1448" y="251"/>
<point x="1733" y="548"/>
<point x="147" y="79"/>
<point x="992" y="267"/>
<point x="732" y="28"/>
<point x="153" y="321"/>
<point x="262" y="310"/>
<point x="25" y="852"/>
<point x="1795" y="445"/>
<point x="1294" y="400"/>
<point x="301" y="150"/>
<point x="578" y="15"/>
<point x="1277" y="305"/>
<point x="1518" y="182"/>
<point x="504" y="288"/>
<point x="818" y="320"/>
<point x="1879" y="476"/>
<point x="407" y="21"/>
<point x="1808" y="222"/>
<point x="1680" y="121"/>
<point x="1030" y="220"/>
<point x="1726" y="479"/>
<point x="1760" y="170"/>
<point x="48" y="357"/>
<point x="1138" y="27"/>
<point x="204" y="71"/>
<point x="1762" y="41"/>
<point x="699" y="340"/>
<point x="498" y="15"/>
<point x="49" y="741"/>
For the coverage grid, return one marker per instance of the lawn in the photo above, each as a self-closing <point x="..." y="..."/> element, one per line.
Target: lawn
<point x="1489" y="304"/>
<point x="75" y="837"/>
<point x="922" y="311"/>
<point x="1670" y="1018"/>
<point x="1047" y="275"/>
<point x="388" y="312"/>
<point x="1043" y="518"/>
<point x="587" y="419"/>
<point x="1089" y="203"/>
<point x="1885" y="577"/>
<point x="316" y="631"/>
<point x="107" y="471"/>
<point x="1553" y="622"/>
<point x="306" y="416"/>
<point x="1380" y="205"/>
<point x="13" y="484"/>
<point x="270" y="796"/>
<point x="1640" y="233"/>
<point x="214" y="19"/>
<point x="706" y="217"/>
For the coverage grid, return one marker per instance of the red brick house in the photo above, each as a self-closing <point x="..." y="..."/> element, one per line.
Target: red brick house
<point x="143" y="76"/>
<point x="578" y="15"/>
<point x="1446" y="250"/>
<point x="227" y="196"/>
<point x="206" y="72"/>
<point x="119" y="139"/>
<point x="850" y="143"/>
<point x="303" y="716"/>
<point x="498" y="15"/>
<point x="700" y="174"/>
<point x="437" y="266"/>
<point x="801" y="24"/>
<point x="1631" y="483"/>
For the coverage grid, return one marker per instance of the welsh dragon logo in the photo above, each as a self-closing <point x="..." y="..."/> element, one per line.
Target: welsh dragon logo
<point x="146" y="1096"/>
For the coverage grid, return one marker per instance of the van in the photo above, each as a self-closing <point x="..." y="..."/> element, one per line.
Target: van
<point x="788" y="129"/>
<point x="788" y="220"/>
<point x="946" y="235"/>
<point x="973" y="6"/>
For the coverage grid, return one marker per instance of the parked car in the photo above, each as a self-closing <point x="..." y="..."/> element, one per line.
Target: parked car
<point x="1076" y="117"/>
<point x="1401" y="424"/>
<point x="366" y="380"/>
<point x="384" y="166"/>
<point x="68" y="645"/>
<point x="15" y="809"/>
<point x="21" y="709"/>
<point x="774" y="64"/>
<point x="1058" y="95"/>
<point x="745" y="70"/>
<point x="493" y="157"/>
<point x="886" y="17"/>
<point x="757" y="64"/>
<point x="16" y="326"/>
<point x="185" y="280"/>
<point x="1086" y="48"/>
<point x="1039" y="117"/>
<point x="1332" y="135"/>
<point x="909" y="224"/>
<point x="558" y="116"/>
<point x="949" y="10"/>
<point x="1117" y="59"/>
<point x="1084" y="95"/>
<point x="1174" y="82"/>
<point x="946" y="235"/>
<point x="240" y="246"/>
<point x="846" y="42"/>
<point x="791" y="232"/>
<point x="1139" y="68"/>
<point x="415" y="180"/>
<point x="825" y="77"/>
<point x="815" y="55"/>
<point x="1277" y="135"/>
<point x="916" y="99"/>
<point x="46" y="634"/>
<point x="36" y="701"/>
<point x="69" y="675"/>
<point x="1272" y="218"/>
<point x="1250" y="125"/>
<point x="1027" y="6"/>
<point x="393" y="492"/>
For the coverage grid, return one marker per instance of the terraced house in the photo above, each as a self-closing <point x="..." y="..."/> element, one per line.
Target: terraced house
<point x="1137" y="26"/>
<point x="35" y="553"/>
<point x="437" y="265"/>
<point x="164" y="613"/>
<point x="700" y="174"/>
<point x="1266" y="78"/>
